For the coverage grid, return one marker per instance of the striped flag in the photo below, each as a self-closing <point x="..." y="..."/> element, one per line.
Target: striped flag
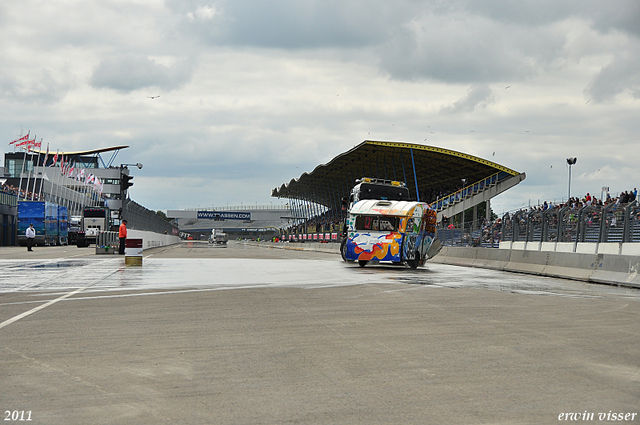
<point x="46" y="156"/>
<point x="21" y="139"/>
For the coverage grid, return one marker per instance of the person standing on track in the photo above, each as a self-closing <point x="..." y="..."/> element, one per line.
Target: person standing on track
<point x="31" y="236"/>
<point x="122" y="234"/>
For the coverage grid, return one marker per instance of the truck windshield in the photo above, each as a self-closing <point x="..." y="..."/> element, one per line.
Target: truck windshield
<point x="377" y="223"/>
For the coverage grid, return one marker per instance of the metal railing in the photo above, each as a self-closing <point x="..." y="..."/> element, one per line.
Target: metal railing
<point x="470" y="190"/>
<point x="141" y="218"/>
<point x="9" y="199"/>
<point x="592" y="223"/>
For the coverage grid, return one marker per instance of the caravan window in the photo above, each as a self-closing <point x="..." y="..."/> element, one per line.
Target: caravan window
<point x="377" y="223"/>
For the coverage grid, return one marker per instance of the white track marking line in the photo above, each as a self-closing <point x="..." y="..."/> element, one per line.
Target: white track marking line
<point x="47" y="304"/>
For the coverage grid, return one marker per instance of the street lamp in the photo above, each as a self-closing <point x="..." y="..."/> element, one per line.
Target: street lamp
<point x="570" y="161"/>
<point x="135" y="165"/>
<point x="464" y="183"/>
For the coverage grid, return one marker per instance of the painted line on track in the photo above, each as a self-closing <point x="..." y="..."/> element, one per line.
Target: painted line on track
<point x="49" y="303"/>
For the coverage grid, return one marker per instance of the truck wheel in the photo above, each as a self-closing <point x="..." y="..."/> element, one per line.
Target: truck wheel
<point x="415" y="262"/>
<point x="343" y="250"/>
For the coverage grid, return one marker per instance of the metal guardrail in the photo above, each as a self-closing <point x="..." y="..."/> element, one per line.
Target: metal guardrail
<point x="470" y="190"/>
<point x="597" y="224"/>
<point x="8" y="199"/>
<point x="141" y="218"/>
<point x="107" y="239"/>
<point x="594" y="224"/>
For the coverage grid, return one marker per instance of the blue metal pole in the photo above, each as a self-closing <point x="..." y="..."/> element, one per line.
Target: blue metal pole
<point x="414" y="175"/>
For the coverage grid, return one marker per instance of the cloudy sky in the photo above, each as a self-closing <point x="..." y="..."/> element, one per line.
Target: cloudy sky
<point x="254" y="93"/>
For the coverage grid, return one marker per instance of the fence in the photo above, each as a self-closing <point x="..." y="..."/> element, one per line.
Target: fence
<point x="596" y="224"/>
<point x="141" y="218"/>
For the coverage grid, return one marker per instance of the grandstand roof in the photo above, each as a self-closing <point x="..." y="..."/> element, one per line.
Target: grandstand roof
<point x="89" y="152"/>
<point x="436" y="168"/>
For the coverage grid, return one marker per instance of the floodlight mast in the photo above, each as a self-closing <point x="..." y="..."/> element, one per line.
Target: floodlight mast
<point x="570" y="161"/>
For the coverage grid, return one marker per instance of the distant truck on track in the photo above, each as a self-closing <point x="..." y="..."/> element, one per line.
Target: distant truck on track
<point x="218" y="237"/>
<point x="94" y="221"/>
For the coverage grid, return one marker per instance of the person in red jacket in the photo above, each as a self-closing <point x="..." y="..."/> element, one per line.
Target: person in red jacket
<point x="122" y="234"/>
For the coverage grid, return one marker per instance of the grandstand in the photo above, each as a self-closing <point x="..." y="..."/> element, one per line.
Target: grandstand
<point x="452" y="182"/>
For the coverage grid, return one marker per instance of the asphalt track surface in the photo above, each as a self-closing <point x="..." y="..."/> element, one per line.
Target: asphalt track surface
<point x="254" y="335"/>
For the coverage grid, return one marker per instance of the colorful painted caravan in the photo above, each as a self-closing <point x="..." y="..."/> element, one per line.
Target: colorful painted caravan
<point x="402" y="232"/>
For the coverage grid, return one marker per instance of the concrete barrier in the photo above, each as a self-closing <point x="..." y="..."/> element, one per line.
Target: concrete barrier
<point x="617" y="269"/>
<point x="151" y="239"/>
<point x="522" y="261"/>
<point x="495" y="259"/>
<point x="570" y="265"/>
<point x="622" y="270"/>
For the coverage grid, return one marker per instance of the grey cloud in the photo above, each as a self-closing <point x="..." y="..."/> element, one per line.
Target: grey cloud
<point x="460" y="41"/>
<point x="477" y="97"/>
<point x="622" y="74"/>
<point x="50" y="87"/>
<point x="294" y="24"/>
<point x="464" y="49"/>
<point x="131" y="71"/>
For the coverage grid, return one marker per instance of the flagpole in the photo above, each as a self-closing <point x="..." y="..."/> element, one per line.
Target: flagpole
<point x="24" y="159"/>
<point x="29" y="146"/>
<point x="35" y="175"/>
<point x="44" y="165"/>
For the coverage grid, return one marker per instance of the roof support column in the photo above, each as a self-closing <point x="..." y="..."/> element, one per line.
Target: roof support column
<point x="415" y="178"/>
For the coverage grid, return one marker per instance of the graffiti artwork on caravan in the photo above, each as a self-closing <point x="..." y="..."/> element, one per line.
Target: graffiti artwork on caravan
<point x="396" y="230"/>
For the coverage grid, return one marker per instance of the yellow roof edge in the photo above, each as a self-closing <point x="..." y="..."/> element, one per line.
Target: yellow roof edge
<point x="443" y="151"/>
<point x="89" y="152"/>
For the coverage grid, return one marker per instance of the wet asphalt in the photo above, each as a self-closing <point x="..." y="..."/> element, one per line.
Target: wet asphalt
<point x="243" y="334"/>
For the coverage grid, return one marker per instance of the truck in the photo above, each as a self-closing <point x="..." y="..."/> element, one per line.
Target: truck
<point x="218" y="237"/>
<point x="74" y="225"/>
<point x="45" y="219"/>
<point x="94" y="221"/>
<point x="380" y="228"/>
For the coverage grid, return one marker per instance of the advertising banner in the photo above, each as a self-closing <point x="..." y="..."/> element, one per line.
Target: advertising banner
<point x="224" y="215"/>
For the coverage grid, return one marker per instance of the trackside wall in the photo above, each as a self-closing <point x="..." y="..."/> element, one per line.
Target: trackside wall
<point x="151" y="239"/>
<point x="597" y="267"/>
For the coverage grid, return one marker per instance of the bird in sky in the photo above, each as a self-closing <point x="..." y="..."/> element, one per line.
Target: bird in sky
<point x="507" y="87"/>
<point x="153" y="97"/>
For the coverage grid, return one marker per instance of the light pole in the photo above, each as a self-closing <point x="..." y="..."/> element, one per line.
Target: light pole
<point x="570" y="161"/>
<point x="464" y="183"/>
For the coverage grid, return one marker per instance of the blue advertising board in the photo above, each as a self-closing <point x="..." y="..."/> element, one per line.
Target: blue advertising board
<point x="224" y="215"/>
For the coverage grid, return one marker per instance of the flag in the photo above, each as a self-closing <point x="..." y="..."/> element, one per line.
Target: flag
<point x="31" y="144"/>
<point x="46" y="156"/>
<point x="21" y="139"/>
<point x="62" y="165"/>
<point x="55" y="159"/>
